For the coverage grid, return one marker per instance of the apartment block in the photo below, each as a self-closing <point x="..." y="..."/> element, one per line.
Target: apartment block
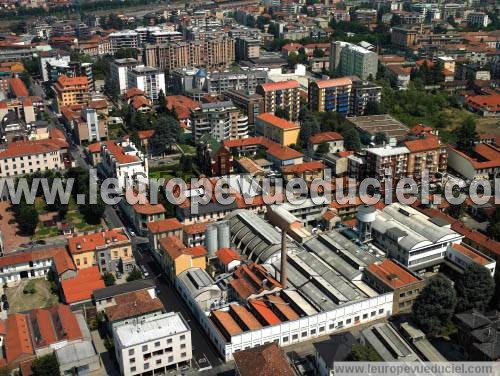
<point x="387" y="163"/>
<point x="210" y="53"/>
<point x="148" y="79"/>
<point x="348" y="59"/>
<point x="330" y="95"/>
<point x="222" y="120"/>
<point x="110" y="250"/>
<point x="123" y="39"/>
<point x="363" y="92"/>
<point x="119" y="69"/>
<point x="247" y="48"/>
<point x="281" y="95"/>
<point x="70" y="69"/>
<point x="426" y="154"/>
<point x="123" y="161"/>
<point x="252" y="105"/>
<point x="276" y="129"/>
<point x="26" y="157"/>
<point x="71" y="90"/>
<point x="153" y="345"/>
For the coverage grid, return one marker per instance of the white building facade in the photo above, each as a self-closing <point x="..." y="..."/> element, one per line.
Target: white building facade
<point x="150" y="80"/>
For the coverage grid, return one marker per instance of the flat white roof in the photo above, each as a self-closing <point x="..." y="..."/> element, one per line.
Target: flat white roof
<point x="388" y="151"/>
<point x="150" y="329"/>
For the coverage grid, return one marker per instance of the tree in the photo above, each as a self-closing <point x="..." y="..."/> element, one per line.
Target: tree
<point x="435" y="305"/>
<point x="134" y="275"/>
<point x="323" y="148"/>
<point x="381" y="138"/>
<point x="351" y="139"/>
<point x="162" y="104"/>
<point x="92" y="213"/>
<point x="186" y="163"/>
<point x="124" y="53"/>
<point x="317" y="52"/>
<point x="373" y="108"/>
<point x="309" y="126"/>
<point x="168" y="132"/>
<point x="293" y="59"/>
<point x="108" y="278"/>
<point x="475" y="288"/>
<point x="26" y="218"/>
<point x="45" y="366"/>
<point x="467" y="135"/>
<point x="363" y="353"/>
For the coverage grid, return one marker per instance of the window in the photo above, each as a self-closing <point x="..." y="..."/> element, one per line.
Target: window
<point x="295" y="337"/>
<point x="331" y="326"/>
<point x="158" y="361"/>
<point x="132" y="360"/>
<point x="365" y="316"/>
<point x="321" y="329"/>
<point x="169" y="340"/>
<point x="285" y="339"/>
<point x="183" y="345"/>
<point x="144" y="348"/>
<point x="373" y="313"/>
<point x="356" y="318"/>
<point x="313" y="332"/>
<point x="304" y="334"/>
<point x="131" y="352"/>
<point x="348" y="321"/>
<point x="340" y="324"/>
<point x="170" y="359"/>
<point x="146" y="365"/>
<point x="157" y="344"/>
<point x="380" y="311"/>
<point x="183" y="355"/>
<point x="132" y="369"/>
<point x="182" y="337"/>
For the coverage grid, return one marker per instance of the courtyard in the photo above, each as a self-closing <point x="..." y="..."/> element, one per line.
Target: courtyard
<point x="41" y="296"/>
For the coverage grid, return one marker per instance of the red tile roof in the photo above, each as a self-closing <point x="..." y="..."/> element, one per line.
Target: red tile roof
<point x="292" y="47"/>
<point x="17" y="341"/>
<point x="472" y="254"/>
<point x="19" y="148"/>
<point x="277" y="121"/>
<point x="164" y="225"/>
<point x="54" y="324"/>
<point x="195" y="228"/>
<point x="81" y="287"/>
<point x="265" y="360"/>
<point x="303" y="167"/>
<point x="149" y="209"/>
<point x="94" y="148"/>
<point x="133" y="92"/>
<point x="282" y="85"/>
<point x="227" y="255"/>
<point x="342" y="81"/>
<point x="65" y="81"/>
<point x="146" y="134"/>
<point x="243" y="316"/>
<point x="117" y="151"/>
<point x="140" y="101"/>
<point x="175" y="248"/>
<point x="93" y="241"/>
<point x="33" y="255"/>
<point x="264" y="312"/>
<point x="319" y="138"/>
<point x="488" y="102"/>
<point x="181" y="105"/>
<point x="133" y="304"/>
<point x="392" y="274"/>
<point x="18" y="87"/>
<point x="283" y="153"/>
<point x="226" y="323"/>
<point x="429" y="142"/>
<point x="488" y="152"/>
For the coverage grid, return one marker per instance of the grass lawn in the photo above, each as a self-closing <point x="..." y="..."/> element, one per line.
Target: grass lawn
<point x="40" y="205"/>
<point x="45" y="232"/>
<point x="77" y="219"/>
<point x="187" y="149"/>
<point x="42" y="296"/>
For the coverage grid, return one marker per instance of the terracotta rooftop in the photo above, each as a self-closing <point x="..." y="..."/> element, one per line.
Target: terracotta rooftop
<point x="303" y="167"/>
<point x="21" y="148"/>
<point x="342" y="81"/>
<point x="133" y="304"/>
<point x="277" y="121"/>
<point x="195" y="228"/>
<point x="226" y="323"/>
<point x="264" y="312"/>
<point x="146" y="134"/>
<point x="227" y="255"/>
<point x="65" y="81"/>
<point x="471" y="254"/>
<point x="93" y="241"/>
<point x="17" y="341"/>
<point x="81" y="287"/>
<point x="319" y="138"/>
<point x="148" y="209"/>
<point x="18" y="88"/>
<point x="429" y="142"/>
<point x="392" y="274"/>
<point x="164" y="225"/>
<point x="283" y="153"/>
<point x="175" y="248"/>
<point x="244" y="317"/>
<point x="117" y="151"/>
<point x="282" y="85"/>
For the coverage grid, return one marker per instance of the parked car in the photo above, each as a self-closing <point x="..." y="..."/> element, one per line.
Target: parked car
<point x="5" y="305"/>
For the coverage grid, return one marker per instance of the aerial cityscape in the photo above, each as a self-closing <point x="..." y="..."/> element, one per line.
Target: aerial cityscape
<point x="249" y="187"/>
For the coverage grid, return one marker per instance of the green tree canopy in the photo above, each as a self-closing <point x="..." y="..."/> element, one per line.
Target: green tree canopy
<point x="475" y="288"/>
<point x="108" y="278"/>
<point x="168" y="132"/>
<point x="363" y="353"/>
<point x="351" y="139"/>
<point x="435" y="305"/>
<point x="46" y="365"/>
<point x="467" y="135"/>
<point x="134" y="275"/>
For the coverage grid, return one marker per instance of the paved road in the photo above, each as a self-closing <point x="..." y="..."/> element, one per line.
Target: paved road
<point x="202" y="346"/>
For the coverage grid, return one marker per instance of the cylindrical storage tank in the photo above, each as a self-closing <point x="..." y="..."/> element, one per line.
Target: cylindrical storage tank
<point x="224" y="234"/>
<point x="211" y="239"/>
<point x="366" y="214"/>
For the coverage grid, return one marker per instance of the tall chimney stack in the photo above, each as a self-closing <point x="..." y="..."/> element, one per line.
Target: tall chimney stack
<point x="283" y="257"/>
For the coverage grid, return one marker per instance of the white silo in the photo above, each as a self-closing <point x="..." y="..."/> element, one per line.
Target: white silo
<point x="211" y="243"/>
<point x="366" y="216"/>
<point x="223" y="234"/>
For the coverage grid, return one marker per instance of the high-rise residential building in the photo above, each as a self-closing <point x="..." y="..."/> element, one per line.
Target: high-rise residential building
<point x="426" y="153"/>
<point x="119" y="69"/>
<point x="387" y="163"/>
<point x="281" y="95"/>
<point x="330" y="95"/>
<point x="479" y="19"/>
<point x="252" y="105"/>
<point x="148" y="79"/>
<point x="123" y="39"/>
<point x="347" y="59"/>
<point x="363" y="92"/>
<point x="247" y="48"/>
<point x="154" y="344"/>
<point x="210" y="53"/>
<point x="70" y="69"/>
<point x="51" y="57"/>
<point x="222" y="120"/>
<point x="71" y="90"/>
